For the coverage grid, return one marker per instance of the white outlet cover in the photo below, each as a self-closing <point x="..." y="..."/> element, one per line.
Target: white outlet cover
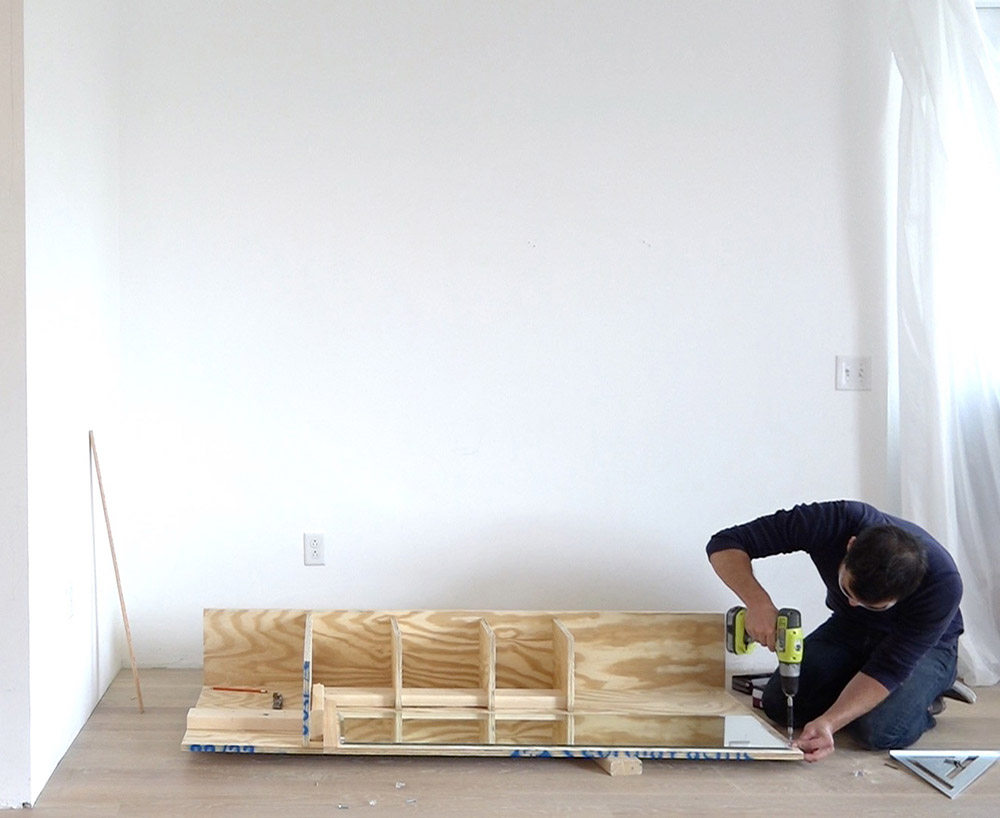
<point x="854" y="372"/>
<point x="313" y="549"/>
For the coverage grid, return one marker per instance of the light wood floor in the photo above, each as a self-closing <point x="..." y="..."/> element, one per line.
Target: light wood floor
<point x="125" y="764"/>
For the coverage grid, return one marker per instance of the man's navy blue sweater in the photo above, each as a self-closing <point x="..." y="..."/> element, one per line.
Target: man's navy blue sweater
<point x="929" y="616"/>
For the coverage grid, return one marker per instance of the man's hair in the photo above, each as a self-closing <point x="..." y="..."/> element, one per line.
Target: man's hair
<point x="885" y="563"/>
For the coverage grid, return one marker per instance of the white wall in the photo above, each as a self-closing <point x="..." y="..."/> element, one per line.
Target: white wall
<point x="71" y="132"/>
<point x="14" y="670"/>
<point x="517" y="302"/>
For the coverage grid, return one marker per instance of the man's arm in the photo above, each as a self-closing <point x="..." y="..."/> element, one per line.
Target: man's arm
<point x="734" y="569"/>
<point x="860" y="695"/>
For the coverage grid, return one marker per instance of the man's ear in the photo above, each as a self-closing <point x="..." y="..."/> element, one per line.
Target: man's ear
<point x="850" y="542"/>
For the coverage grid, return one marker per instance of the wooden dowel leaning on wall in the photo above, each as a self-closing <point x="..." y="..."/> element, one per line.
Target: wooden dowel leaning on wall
<point x="118" y="579"/>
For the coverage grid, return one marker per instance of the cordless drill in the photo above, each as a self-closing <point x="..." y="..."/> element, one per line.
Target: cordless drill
<point x="787" y="647"/>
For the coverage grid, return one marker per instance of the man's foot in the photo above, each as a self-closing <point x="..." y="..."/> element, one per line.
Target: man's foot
<point x="961" y="691"/>
<point x="936" y="707"/>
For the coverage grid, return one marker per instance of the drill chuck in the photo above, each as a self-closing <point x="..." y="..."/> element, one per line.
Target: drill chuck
<point x="789" y="678"/>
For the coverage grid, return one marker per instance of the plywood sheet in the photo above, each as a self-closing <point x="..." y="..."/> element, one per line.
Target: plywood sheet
<point x="248" y="647"/>
<point x="471" y="683"/>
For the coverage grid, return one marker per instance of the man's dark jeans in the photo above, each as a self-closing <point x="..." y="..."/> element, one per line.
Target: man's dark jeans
<point x="832" y="655"/>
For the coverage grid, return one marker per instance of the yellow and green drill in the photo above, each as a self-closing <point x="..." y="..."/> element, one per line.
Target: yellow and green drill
<point x="787" y="647"/>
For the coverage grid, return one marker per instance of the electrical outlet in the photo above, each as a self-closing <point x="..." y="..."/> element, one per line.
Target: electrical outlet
<point x="854" y="372"/>
<point x="313" y="551"/>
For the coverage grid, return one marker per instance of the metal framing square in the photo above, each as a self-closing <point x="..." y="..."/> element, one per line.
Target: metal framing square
<point x="950" y="771"/>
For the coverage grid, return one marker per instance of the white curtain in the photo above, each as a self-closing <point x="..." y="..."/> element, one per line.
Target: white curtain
<point x="948" y="272"/>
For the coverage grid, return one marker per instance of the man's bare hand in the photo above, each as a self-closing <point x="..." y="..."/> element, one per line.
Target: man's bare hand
<point x="816" y="740"/>
<point x="733" y="567"/>
<point x="761" y="623"/>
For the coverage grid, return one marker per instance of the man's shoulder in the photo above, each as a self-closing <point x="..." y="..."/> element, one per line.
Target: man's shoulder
<point x="837" y="517"/>
<point x="866" y="515"/>
<point x="940" y="563"/>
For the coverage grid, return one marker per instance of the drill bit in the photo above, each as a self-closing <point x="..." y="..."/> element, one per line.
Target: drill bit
<point x="789" y="699"/>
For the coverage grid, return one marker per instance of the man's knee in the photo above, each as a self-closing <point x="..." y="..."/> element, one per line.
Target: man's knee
<point x="879" y="731"/>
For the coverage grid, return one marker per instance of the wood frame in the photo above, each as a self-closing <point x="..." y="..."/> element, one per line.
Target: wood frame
<point x="618" y="685"/>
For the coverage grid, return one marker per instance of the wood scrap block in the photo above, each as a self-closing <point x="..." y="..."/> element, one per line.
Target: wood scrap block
<point x="317" y="715"/>
<point x="620" y="765"/>
<point x="226" y="719"/>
